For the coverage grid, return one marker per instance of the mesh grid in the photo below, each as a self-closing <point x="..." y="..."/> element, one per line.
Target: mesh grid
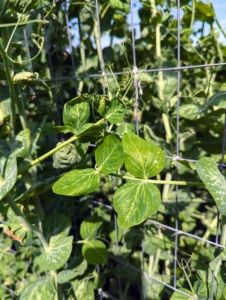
<point x="102" y="74"/>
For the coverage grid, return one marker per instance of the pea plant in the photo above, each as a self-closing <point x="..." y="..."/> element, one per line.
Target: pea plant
<point x="55" y="240"/>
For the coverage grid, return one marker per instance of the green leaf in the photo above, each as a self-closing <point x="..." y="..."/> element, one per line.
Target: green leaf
<point x="56" y="255"/>
<point x="16" y="226"/>
<point x="218" y="100"/>
<point x="4" y="109"/>
<point x="109" y="154"/>
<point x="56" y="224"/>
<point x="8" y="162"/>
<point x="116" y="112"/>
<point x="92" y="132"/>
<point x="178" y="296"/>
<point x="76" y="113"/>
<point x="142" y="159"/>
<point x="55" y="228"/>
<point x="90" y="227"/>
<point x="77" y="182"/>
<point x="21" y="145"/>
<point x="120" y="5"/>
<point x="135" y="201"/>
<point x="95" y="252"/>
<point x="40" y="289"/>
<point x="125" y="127"/>
<point x="216" y="262"/>
<point x="67" y="156"/>
<point x="22" y="6"/>
<point x="66" y="275"/>
<point x="76" y="268"/>
<point x="215" y="182"/>
<point x="190" y="112"/>
<point x="82" y="290"/>
<point x="8" y="174"/>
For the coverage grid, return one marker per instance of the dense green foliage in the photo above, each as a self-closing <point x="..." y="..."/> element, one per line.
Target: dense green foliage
<point x="77" y="149"/>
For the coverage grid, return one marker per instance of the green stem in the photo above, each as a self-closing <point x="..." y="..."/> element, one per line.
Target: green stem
<point x="212" y="225"/>
<point x="100" y="56"/>
<point x="193" y="14"/>
<point x="25" y="223"/>
<point x="187" y="183"/>
<point x="158" y="252"/>
<point x="11" y="89"/>
<point x="22" y="114"/>
<point x="4" y="9"/>
<point x="165" y="190"/>
<point x="223" y="231"/>
<point x="38" y="207"/>
<point x="186" y="275"/>
<point x="83" y="56"/>
<point x="160" y="73"/>
<point x="217" y="21"/>
<point x="43" y="157"/>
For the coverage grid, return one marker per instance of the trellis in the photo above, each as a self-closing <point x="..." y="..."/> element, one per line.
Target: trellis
<point x="137" y="90"/>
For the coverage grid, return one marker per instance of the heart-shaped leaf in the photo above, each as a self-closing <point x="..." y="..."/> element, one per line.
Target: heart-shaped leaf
<point x="214" y="181"/>
<point x="77" y="182"/>
<point x="90" y="227"/>
<point x="40" y="289"/>
<point x="109" y="154"/>
<point x="116" y="111"/>
<point x="76" y="113"/>
<point x="135" y="201"/>
<point x="142" y="159"/>
<point x="95" y="252"/>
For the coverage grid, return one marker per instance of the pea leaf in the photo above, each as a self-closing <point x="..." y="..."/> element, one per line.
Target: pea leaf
<point x="109" y="154"/>
<point x="79" y="267"/>
<point x="56" y="224"/>
<point x="8" y="174"/>
<point x="56" y="255"/>
<point x="90" y="226"/>
<point x="40" y="289"/>
<point x="190" y="112"/>
<point x="77" y="182"/>
<point x="116" y="111"/>
<point x="8" y="161"/>
<point x="22" y="6"/>
<point x="218" y="100"/>
<point x="76" y="113"/>
<point x="142" y="159"/>
<point x="179" y="296"/>
<point x="215" y="182"/>
<point x="22" y="144"/>
<point x="92" y="131"/>
<point x="55" y="228"/>
<point x="135" y="201"/>
<point x="95" y="252"/>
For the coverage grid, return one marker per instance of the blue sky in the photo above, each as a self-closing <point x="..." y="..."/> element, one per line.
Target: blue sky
<point x="220" y="10"/>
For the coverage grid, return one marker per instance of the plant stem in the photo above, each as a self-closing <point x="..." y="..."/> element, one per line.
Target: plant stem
<point x="193" y="14"/>
<point x="4" y="7"/>
<point x="25" y="223"/>
<point x="83" y="56"/>
<point x="160" y="84"/>
<point x="20" y="105"/>
<point x="100" y="55"/>
<point x="187" y="183"/>
<point x="11" y="88"/>
<point x="43" y="157"/>
<point x="165" y="190"/>
<point x="223" y="231"/>
<point x="212" y="225"/>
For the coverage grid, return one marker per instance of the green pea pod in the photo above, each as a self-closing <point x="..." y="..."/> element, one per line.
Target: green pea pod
<point x="25" y="77"/>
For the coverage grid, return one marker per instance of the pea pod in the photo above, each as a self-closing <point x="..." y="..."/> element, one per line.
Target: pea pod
<point x="25" y="77"/>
